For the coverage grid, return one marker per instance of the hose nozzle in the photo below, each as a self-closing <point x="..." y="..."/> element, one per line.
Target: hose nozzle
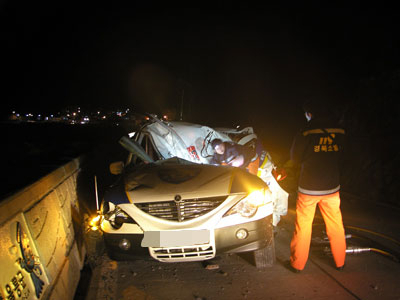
<point x="357" y="250"/>
<point x="349" y="250"/>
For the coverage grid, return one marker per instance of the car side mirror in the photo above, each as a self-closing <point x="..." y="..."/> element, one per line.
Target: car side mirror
<point x="117" y="167"/>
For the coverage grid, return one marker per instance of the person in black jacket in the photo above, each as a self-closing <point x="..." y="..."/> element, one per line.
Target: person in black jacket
<point x="229" y="153"/>
<point x="317" y="150"/>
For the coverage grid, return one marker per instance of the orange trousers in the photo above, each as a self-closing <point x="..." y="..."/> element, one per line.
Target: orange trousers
<point x="329" y="206"/>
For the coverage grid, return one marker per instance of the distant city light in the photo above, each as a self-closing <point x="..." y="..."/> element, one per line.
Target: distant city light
<point x="75" y="117"/>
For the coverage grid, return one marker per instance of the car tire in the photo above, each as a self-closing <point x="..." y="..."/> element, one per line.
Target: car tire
<point x="265" y="258"/>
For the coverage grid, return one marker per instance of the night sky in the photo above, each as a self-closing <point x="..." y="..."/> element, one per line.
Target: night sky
<point x="230" y="63"/>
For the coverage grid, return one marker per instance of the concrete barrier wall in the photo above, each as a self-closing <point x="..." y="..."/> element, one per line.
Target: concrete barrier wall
<point x="41" y="249"/>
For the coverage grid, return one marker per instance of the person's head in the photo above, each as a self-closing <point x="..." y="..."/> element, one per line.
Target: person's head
<point x="218" y="146"/>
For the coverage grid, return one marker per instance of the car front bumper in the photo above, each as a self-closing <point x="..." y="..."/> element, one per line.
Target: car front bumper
<point x="257" y="234"/>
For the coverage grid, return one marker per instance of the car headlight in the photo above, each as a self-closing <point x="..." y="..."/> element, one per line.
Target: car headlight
<point x="248" y="206"/>
<point x="117" y="217"/>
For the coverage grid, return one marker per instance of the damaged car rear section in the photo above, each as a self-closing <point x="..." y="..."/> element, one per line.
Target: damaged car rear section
<point x="172" y="206"/>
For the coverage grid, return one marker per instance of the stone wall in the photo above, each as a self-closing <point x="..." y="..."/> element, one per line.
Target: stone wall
<point x="41" y="244"/>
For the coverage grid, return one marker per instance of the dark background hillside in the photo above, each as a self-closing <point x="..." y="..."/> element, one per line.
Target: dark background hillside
<point x="216" y="64"/>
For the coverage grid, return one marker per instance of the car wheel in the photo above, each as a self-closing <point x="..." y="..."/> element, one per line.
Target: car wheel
<point x="265" y="258"/>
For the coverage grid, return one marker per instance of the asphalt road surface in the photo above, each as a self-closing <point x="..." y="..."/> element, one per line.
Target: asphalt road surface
<point x="368" y="275"/>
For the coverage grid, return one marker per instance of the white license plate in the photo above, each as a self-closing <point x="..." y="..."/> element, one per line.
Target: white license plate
<point x="175" y="238"/>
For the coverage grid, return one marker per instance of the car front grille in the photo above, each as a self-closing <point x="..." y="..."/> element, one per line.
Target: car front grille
<point x="182" y="210"/>
<point x="179" y="254"/>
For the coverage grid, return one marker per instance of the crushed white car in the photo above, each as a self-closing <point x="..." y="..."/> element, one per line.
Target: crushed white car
<point x="171" y="204"/>
<point x="192" y="142"/>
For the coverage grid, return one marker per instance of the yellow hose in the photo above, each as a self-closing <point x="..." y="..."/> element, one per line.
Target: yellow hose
<point x="385" y="253"/>
<point x="366" y="230"/>
<point x="375" y="233"/>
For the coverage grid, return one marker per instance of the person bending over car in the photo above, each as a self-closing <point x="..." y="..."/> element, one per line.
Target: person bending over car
<point x="235" y="155"/>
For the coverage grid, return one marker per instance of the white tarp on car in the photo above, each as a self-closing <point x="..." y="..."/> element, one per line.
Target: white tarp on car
<point x="184" y="140"/>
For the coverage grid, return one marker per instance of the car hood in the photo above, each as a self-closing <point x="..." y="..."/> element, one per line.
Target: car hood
<point x="163" y="180"/>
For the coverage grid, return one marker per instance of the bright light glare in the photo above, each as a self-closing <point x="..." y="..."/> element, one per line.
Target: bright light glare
<point x="257" y="198"/>
<point x="94" y="222"/>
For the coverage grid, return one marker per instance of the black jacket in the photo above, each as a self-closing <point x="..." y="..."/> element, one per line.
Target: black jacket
<point x="317" y="149"/>
<point x="233" y="150"/>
